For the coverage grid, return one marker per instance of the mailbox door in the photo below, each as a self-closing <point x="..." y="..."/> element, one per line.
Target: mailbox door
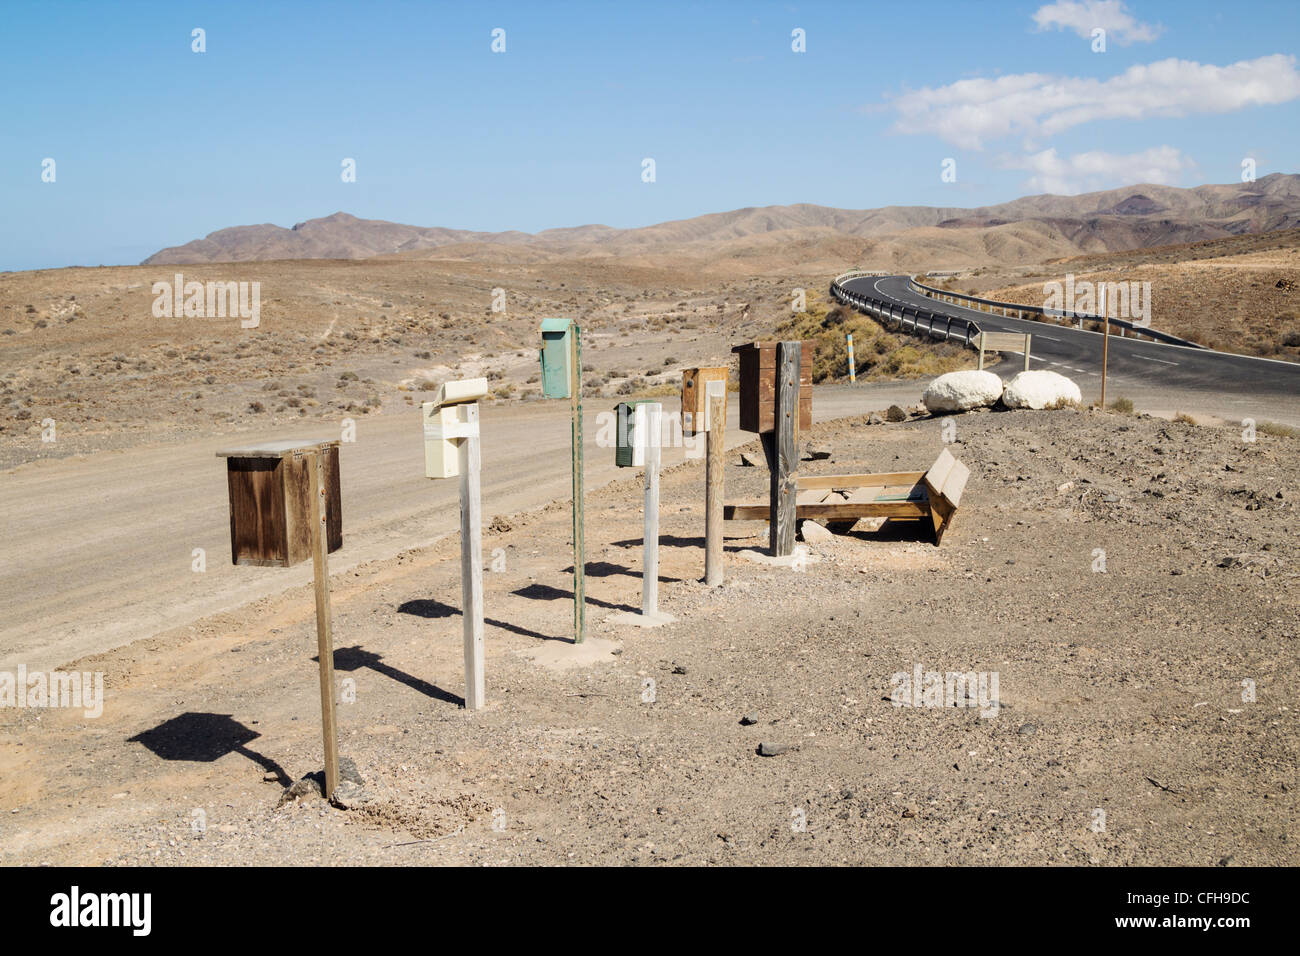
<point x="555" y="364"/>
<point x="441" y="456"/>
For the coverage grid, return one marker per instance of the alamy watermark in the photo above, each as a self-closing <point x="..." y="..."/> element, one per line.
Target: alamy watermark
<point x="1085" y="299"/>
<point x="922" y="688"/>
<point x="77" y="690"/>
<point x="208" y="300"/>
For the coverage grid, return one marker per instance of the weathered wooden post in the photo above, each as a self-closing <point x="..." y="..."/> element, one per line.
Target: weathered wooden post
<point x="785" y="476"/>
<point x="713" y="493"/>
<point x="285" y="506"/>
<point x="776" y="402"/>
<point x="561" y="357"/>
<point x="451" y="448"/>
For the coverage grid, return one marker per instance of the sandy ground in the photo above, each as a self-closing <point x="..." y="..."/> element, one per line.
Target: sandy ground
<point x="1120" y="736"/>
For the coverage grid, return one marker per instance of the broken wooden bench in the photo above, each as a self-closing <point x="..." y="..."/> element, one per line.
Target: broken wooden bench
<point x="840" y="500"/>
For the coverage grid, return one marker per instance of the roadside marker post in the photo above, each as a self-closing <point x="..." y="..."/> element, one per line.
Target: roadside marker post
<point x="285" y="506"/>
<point x="853" y="372"/>
<point x="451" y="422"/>
<point x="1105" y="337"/>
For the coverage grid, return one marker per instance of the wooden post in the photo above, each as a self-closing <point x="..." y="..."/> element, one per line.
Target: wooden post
<point x="785" y="440"/>
<point x="1105" y="337"/>
<point x="471" y="557"/>
<point x="713" y="492"/>
<point x="324" y="635"/>
<point x="651" y="419"/>
<point x="579" y="551"/>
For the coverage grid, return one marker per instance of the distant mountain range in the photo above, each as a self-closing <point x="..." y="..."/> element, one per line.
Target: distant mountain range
<point x="1030" y="229"/>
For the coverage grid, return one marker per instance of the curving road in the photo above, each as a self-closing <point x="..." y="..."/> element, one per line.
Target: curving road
<point x="1216" y="382"/>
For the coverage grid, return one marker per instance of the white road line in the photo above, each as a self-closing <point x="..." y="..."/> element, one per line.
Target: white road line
<point x="1161" y="361"/>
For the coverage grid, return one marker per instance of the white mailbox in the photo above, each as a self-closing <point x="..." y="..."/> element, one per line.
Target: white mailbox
<point x="445" y="423"/>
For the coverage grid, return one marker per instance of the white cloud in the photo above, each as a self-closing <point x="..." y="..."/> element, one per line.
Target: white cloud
<point x="1036" y="104"/>
<point x="1083" y="16"/>
<point x="1086" y="172"/>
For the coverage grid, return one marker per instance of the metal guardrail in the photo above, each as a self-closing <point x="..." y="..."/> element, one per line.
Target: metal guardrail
<point x="1038" y="313"/>
<point x="935" y="326"/>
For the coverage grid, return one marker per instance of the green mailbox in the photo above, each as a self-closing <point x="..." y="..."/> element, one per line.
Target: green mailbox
<point x="557" y="357"/>
<point x="629" y="443"/>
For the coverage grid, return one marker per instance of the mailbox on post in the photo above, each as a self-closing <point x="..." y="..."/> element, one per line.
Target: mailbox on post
<point x="556" y="356"/>
<point x="698" y="386"/>
<point x="270" y="501"/>
<point x="758" y="386"/>
<point x="285" y="508"/>
<point x="443" y="425"/>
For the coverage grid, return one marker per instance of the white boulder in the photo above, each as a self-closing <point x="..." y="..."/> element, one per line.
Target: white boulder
<point x="1040" y="389"/>
<point x="960" y="391"/>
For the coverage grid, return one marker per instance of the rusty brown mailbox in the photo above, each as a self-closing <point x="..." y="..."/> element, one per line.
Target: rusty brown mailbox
<point x="758" y="385"/>
<point x="270" y="501"/>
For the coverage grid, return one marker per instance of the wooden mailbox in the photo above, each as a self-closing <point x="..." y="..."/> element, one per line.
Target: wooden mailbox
<point x="444" y="425"/>
<point x="698" y="385"/>
<point x="270" y="501"/>
<point x="758" y="385"/>
<point x="556" y="356"/>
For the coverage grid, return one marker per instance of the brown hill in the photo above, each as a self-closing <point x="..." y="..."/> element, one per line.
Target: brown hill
<point x="1021" y="231"/>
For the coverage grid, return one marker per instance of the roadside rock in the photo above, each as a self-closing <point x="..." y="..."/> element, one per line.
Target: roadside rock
<point x="1040" y="389"/>
<point x="962" y="391"/>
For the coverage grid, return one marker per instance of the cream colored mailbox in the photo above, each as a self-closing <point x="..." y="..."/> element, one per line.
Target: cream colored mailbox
<point x="443" y="425"/>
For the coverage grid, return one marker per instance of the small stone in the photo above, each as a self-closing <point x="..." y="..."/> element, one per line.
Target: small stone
<point x="1027" y="729"/>
<point x="815" y="533"/>
<point x="774" y="750"/>
<point x="911" y="810"/>
<point x="749" y="720"/>
<point x="817" y="452"/>
<point x="1062" y="489"/>
<point x="679" y="669"/>
<point x="895" y="414"/>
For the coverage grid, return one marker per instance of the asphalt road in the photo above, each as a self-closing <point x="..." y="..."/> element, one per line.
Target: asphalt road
<point x="1215" y="383"/>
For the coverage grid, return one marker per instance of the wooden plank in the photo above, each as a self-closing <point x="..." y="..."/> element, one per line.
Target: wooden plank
<point x="257" y="531"/>
<point x="756" y="511"/>
<point x="858" y="481"/>
<point x="471" y="559"/>
<point x="955" y="484"/>
<point x="713" y="493"/>
<point x="324" y="633"/>
<point x="937" y="472"/>
<point x="785" y="477"/>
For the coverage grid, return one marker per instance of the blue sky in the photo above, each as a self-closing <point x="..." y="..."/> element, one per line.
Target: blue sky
<point x="155" y="144"/>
